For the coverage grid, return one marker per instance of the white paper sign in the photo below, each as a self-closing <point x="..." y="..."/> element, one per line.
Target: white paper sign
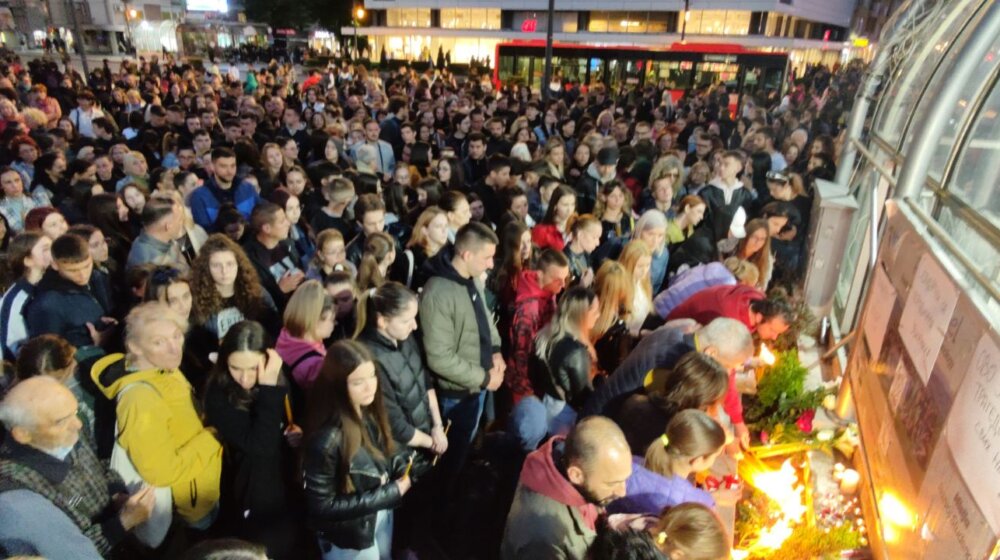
<point x="974" y="429"/>
<point x="928" y="310"/>
<point x="880" y="302"/>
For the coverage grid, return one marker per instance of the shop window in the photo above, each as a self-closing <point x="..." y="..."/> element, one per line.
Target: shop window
<point x="598" y="22"/>
<point x="408" y="17"/>
<point x="619" y="22"/>
<point x="470" y="18"/>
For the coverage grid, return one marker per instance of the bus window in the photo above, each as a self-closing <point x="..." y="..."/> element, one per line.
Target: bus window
<point x="615" y="68"/>
<point x="537" y="73"/>
<point x="674" y="74"/>
<point x="711" y="73"/>
<point x="521" y="67"/>
<point x="633" y="72"/>
<point x="598" y="71"/>
<point x="571" y="68"/>
<point x="506" y="68"/>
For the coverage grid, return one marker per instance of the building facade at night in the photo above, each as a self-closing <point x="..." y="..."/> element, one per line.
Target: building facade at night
<point x="812" y="31"/>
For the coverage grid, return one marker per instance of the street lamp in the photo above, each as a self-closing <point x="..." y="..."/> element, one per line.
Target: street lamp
<point x="359" y="14"/>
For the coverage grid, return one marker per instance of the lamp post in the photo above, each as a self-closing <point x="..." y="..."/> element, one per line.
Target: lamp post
<point x="130" y="15"/>
<point x="687" y="14"/>
<point x="78" y="40"/>
<point x="359" y="14"/>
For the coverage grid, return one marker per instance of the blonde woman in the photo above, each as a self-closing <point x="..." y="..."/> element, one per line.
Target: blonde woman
<point x="430" y="235"/>
<point x="308" y="320"/>
<point x="638" y="259"/>
<point x="616" y="293"/>
<point x="555" y="158"/>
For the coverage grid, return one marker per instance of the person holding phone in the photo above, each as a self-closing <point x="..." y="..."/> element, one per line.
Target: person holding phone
<point x="355" y="474"/>
<point x="245" y="402"/>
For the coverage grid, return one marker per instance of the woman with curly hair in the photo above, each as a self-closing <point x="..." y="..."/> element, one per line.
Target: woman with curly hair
<point x="227" y="290"/>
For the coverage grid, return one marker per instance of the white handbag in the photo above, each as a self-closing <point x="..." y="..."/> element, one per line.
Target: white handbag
<point x="153" y="530"/>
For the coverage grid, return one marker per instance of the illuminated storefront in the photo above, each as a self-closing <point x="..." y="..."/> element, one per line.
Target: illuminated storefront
<point x="473" y="33"/>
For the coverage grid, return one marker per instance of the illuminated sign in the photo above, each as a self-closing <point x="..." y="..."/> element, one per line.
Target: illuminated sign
<point x="529" y="25"/>
<point x="719" y="58"/>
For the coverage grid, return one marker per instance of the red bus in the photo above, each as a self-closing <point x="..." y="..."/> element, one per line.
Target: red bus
<point x="678" y="67"/>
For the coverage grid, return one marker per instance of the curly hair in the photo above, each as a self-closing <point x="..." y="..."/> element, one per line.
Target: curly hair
<point x="248" y="294"/>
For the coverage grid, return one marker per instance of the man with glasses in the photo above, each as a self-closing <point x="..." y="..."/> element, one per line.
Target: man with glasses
<point x="703" y="145"/>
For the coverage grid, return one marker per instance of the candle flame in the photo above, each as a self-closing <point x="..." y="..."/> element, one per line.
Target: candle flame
<point x="895" y="512"/>
<point x="765" y="355"/>
<point x="783" y="488"/>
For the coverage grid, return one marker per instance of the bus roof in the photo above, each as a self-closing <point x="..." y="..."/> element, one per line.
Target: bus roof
<point x="713" y="48"/>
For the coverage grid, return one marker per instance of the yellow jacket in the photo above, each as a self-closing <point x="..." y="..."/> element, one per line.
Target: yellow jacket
<point x="160" y="430"/>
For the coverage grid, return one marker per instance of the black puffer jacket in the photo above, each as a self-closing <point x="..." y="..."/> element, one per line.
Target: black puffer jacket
<point x="348" y="520"/>
<point x="566" y="376"/>
<point x="404" y="381"/>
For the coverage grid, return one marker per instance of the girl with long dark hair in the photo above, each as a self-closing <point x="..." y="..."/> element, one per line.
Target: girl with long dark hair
<point x="244" y="401"/>
<point x="353" y="476"/>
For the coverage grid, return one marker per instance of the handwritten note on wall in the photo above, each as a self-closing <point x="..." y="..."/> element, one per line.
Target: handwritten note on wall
<point x="928" y="310"/>
<point x="974" y="429"/>
<point x="880" y="303"/>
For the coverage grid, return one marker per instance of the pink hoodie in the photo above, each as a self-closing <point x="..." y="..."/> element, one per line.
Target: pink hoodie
<point x="291" y="350"/>
<point x="540" y="475"/>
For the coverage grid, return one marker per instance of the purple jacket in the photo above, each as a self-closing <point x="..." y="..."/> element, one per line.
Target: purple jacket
<point x="690" y="282"/>
<point x="649" y="493"/>
<point x="304" y="358"/>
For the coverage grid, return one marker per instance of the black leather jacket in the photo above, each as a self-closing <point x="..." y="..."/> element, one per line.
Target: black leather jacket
<point x="348" y="520"/>
<point x="567" y="375"/>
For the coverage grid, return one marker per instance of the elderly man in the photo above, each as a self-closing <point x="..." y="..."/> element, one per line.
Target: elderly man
<point x="563" y="487"/>
<point x="56" y="498"/>
<point x="726" y="340"/>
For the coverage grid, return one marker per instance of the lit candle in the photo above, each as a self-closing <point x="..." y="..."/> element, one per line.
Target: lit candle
<point x="849" y="481"/>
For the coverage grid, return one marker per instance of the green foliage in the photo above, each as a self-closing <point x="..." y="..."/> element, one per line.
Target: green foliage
<point x="753" y="514"/>
<point x="785" y="379"/>
<point x="301" y="14"/>
<point x="813" y="542"/>
<point x="781" y="398"/>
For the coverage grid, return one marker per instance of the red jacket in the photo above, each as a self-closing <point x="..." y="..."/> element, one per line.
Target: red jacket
<point x="718" y="301"/>
<point x="533" y="308"/>
<point x="722" y="301"/>
<point x="547" y="235"/>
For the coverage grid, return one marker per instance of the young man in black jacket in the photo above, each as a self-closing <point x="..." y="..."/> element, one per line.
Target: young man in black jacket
<point x="276" y="260"/>
<point x="72" y="300"/>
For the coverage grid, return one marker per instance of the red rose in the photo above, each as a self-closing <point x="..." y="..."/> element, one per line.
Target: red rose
<point x="805" y="421"/>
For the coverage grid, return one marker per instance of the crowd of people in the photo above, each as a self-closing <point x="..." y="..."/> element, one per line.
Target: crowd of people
<point x="357" y="315"/>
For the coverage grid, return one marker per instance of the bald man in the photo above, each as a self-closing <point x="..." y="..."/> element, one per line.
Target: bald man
<point x="564" y="486"/>
<point x="47" y="477"/>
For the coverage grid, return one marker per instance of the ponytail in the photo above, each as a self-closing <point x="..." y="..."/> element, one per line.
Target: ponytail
<point x="388" y="300"/>
<point x="377" y="248"/>
<point x="690" y="434"/>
